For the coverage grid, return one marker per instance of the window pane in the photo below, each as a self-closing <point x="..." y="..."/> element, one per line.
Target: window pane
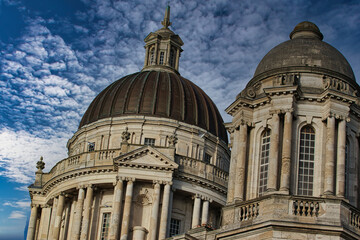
<point x="264" y="161"/>
<point x="149" y="141"/>
<point x="174" y="227"/>
<point x="306" y="161"/>
<point x="105" y="226"/>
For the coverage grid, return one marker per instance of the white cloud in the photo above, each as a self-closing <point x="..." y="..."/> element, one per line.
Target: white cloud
<point x="18" y="204"/>
<point x="17" y="215"/>
<point x="20" y="150"/>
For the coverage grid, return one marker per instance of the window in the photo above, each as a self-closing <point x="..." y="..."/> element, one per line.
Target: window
<point x="306" y="161"/>
<point x="172" y="58"/>
<point x="149" y="141"/>
<point x="91" y="146"/>
<point x="174" y="227"/>
<point x="152" y="56"/>
<point x="105" y="226"/>
<point x="161" y="61"/>
<point x="264" y="161"/>
<point x="207" y="158"/>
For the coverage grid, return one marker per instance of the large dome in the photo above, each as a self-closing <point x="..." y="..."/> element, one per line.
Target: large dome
<point x="305" y="51"/>
<point x="157" y="93"/>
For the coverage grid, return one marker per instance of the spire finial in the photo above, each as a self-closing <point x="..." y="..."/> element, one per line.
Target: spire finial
<point x="166" y="23"/>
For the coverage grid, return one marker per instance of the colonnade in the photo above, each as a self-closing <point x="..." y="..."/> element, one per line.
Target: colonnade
<point x="197" y="209"/>
<point x="119" y="228"/>
<point x="237" y="184"/>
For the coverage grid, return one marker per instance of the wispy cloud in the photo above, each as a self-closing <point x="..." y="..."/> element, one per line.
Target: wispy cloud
<point x="17" y="215"/>
<point x="51" y="73"/>
<point x="18" y="204"/>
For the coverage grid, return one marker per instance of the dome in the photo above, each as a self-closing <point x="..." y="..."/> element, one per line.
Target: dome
<point x="160" y="94"/>
<point x="305" y="49"/>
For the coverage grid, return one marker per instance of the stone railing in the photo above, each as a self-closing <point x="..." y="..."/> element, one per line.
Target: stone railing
<point x="87" y="159"/>
<point x="305" y="207"/>
<point x="248" y="211"/>
<point x="202" y="169"/>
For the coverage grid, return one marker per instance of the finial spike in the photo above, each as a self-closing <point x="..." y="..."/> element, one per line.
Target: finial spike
<point x="166" y="23"/>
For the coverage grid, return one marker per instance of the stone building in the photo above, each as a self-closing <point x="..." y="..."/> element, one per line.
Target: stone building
<point x="150" y="159"/>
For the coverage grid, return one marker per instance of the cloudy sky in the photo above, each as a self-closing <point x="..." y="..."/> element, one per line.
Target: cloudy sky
<point x="56" y="56"/>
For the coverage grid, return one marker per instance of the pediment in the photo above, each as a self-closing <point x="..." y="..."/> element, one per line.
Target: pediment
<point x="151" y="36"/>
<point x="145" y="157"/>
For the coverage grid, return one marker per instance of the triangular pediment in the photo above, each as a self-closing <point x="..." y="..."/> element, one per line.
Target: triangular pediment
<point x="145" y="157"/>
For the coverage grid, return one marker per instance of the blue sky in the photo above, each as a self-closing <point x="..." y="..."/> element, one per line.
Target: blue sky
<point x="56" y="56"/>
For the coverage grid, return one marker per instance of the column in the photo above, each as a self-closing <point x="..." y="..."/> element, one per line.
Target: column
<point x="146" y="56"/>
<point x="155" y="211"/>
<point x="172" y="190"/>
<point x="286" y="153"/>
<point x="44" y="222"/>
<point x="340" y="169"/>
<point x="58" y="216"/>
<point x="87" y="212"/>
<point x="329" y="164"/>
<point x="274" y="154"/>
<point x="196" y="212"/>
<point x="177" y="59"/>
<point x="52" y="219"/>
<point x="78" y="214"/>
<point x="165" y="211"/>
<point x="32" y="222"/>
<point x="127" y="210"/>
<point x="240" y="164"/>
<point x="205" y="212"/>
<point x="117" y="204"/>
<point x="232" y="170"/>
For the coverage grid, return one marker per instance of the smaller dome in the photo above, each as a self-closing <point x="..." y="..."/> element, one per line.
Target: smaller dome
<point x="304" y="52"/>
<point x="306" y="30"/>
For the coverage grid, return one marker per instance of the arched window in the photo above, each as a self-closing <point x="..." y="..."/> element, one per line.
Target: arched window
<point x="306" y="161"/>
<point x="264" y="161"/>
<point x="172" y="57"/>
<point x="152" y="56"/>
<point x="161" y="60"/>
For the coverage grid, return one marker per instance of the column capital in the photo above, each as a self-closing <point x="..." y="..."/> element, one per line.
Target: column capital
<point x="118" y="179"/>
<point x="130" y="179"/>
<point x="34" y="205"/>
<point x="275" y="111"/>
<point x="168" y="183"/>
<point x="45" y="205"/>
<point x="197" y="195"/>
<point x="81" y="186"/>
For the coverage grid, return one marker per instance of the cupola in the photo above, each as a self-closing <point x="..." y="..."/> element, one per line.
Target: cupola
<point x="163" y="48"/>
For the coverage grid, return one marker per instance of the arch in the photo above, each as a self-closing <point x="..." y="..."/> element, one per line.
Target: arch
<point x="152" y="56"/>
<point x="306" y="161"/>
<point x="264" y="161"/>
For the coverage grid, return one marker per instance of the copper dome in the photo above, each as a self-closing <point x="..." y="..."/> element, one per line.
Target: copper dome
<point x="160" y="94"/>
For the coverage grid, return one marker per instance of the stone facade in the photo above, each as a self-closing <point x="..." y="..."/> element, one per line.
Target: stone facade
<point x="293" y="171"/>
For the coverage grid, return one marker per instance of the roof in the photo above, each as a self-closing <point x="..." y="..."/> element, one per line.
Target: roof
<point x="157" y="93"/>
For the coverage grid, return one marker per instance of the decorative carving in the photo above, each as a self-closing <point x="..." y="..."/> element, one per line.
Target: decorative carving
<point x="336" y="84"/>
<point x="40" y="165"/>
<point x="125" y="136"/>
<point x="143" y="198"/>
<point x="289" y="79"/>
<point x="172" y="140"/>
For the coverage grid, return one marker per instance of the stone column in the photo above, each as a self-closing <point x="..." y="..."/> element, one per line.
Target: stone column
<point x="273" y="154"/>
<point x="232" y="170"/>
<point x="58" y="216"/>
<point x="165" y="211"/>
<point x="286" y="153"/>
<point x="117" y="204"/>
<point x="329" y="164"/>
<point x="87" y="212"/>
<point x="146" y="56"/>
<point x="127" y="209"/>
<point x="52" y="218"/>
<point x="139" y="233"/>
<point x="172" y="190"/>
<point x="340" y="166"/>
<point x="77" y="218"/>
<point x="32" y="222"/>
<point x="177" y="59"/>
<point x="240" y="164"/>
<point x="205" y="212"/>
<point x="196" y="212"/>
<point x="155" y="211"/>
<point x="44" y="222"/>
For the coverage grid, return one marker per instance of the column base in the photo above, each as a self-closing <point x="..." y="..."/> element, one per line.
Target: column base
<point x="328" y="193"/>
<point x="284" y="191"/>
